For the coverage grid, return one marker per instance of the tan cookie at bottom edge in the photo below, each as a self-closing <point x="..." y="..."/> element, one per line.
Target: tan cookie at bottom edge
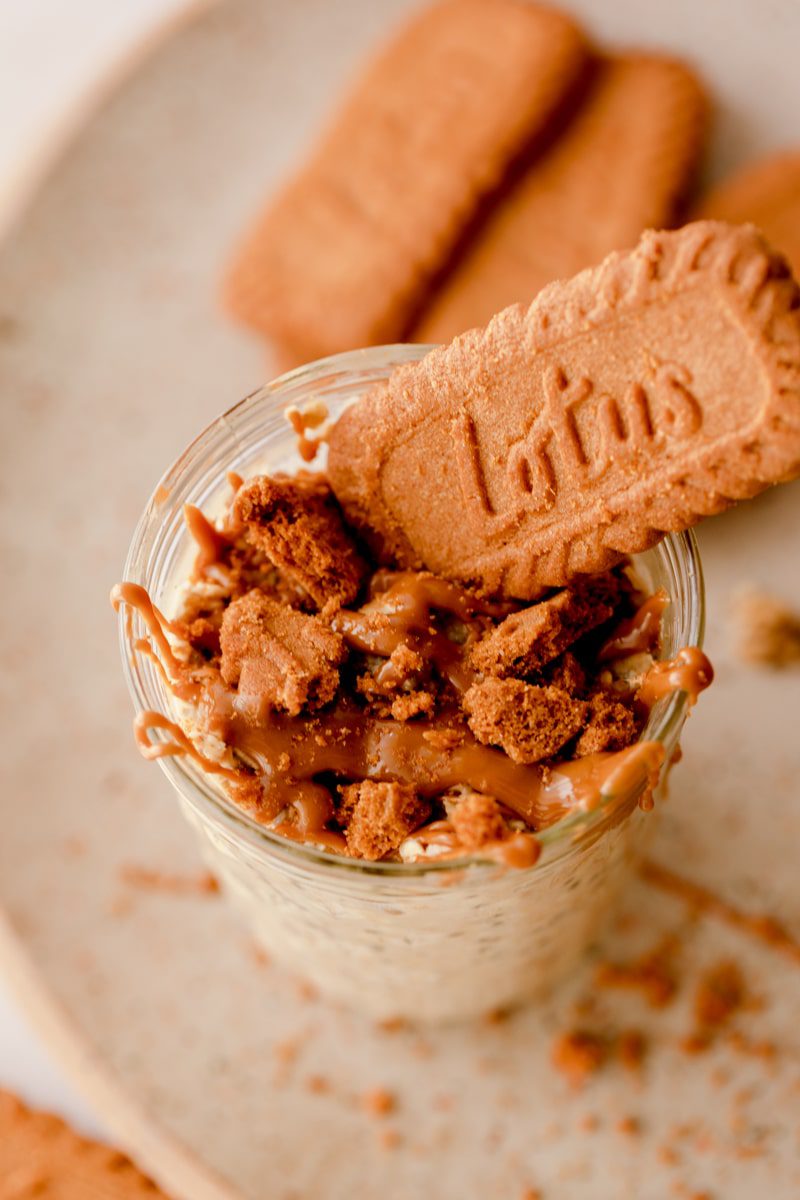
<point x="634" y="399"/>
<point x="767" y="193"/>
<point x="41" y="1156"/>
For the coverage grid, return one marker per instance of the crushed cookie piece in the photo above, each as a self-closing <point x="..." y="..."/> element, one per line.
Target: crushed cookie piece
<point x="443" y="739"/>
<point x="719" y="995"/>
<point x="579" y="1054"/>
<point x="258" y="955"/>
<point x="611" y="725"/>
<point x="378" y="816"/>
<point x="393" y="1024"/>
<point x="478" y="820"/>
<point x="378" y="1102"/>
<point x="497" y="1016"/>
<point x="287" y="1050"/>
<point x="631" y="1049"/>
<point x="412" y="704"/>
<point x="248" y="793"/>
<point x="653" y="974"/>
<point x="386" y="677"/>
<point x="529" y="722"/>
<point x="151" y="880"/>
<point x="529" y="639"/>
<point x="298" y="525"/>
<point x="768" y="631"/>
<point x="566" y="672"/>
<point x="375" y="694"/>
<point x="202" y="633"/>
<point x="278" y="657"/>
<point x="405" y="662"/>
<point x="306" y="990"/>
<point x="629" y="1126"/>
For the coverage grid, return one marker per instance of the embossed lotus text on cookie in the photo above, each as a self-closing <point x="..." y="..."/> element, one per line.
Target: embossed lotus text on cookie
<point x="629" y="401"/>
<point x="581" y="432"/>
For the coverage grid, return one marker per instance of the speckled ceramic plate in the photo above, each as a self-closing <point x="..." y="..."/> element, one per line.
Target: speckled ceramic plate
<point x="219" y="1072"/>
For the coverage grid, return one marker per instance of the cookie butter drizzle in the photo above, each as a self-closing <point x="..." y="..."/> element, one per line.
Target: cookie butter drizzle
<point x="638" y="634"/>
<point x="283" y="756"/>
<point x="399" y="613"/>
<point x="689" y="671"/>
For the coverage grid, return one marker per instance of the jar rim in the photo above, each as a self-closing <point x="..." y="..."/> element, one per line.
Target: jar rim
<point x="679" y="552"/>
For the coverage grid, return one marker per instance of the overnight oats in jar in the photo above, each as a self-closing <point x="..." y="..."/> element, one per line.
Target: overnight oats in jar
<point x="422" y="796"/>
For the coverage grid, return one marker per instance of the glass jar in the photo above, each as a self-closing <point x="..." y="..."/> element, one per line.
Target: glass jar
<point x="430" y="941"/>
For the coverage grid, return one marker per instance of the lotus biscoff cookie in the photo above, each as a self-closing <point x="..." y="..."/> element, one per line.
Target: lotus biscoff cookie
<point x="42" y="1157"/>
<point x="768" y="194"/>
<point x="343" y="254"/>
<point x="639" y="396"/>
<point x="624" y="164"/>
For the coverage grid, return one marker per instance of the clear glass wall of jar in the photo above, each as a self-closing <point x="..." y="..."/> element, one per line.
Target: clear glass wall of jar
<point x="433" y="941"/>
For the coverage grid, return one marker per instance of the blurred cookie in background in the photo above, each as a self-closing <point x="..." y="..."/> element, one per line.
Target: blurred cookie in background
<point x="626" y="162"/>
<point x="766" y="192"/>
<point x="343" y="255"/>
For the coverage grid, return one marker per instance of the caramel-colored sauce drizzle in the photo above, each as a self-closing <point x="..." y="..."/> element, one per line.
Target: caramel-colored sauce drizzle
<point x="356" y="746"/>
<point x="350" y="744"/>
<point x="689" y="671"/>
<point x="328" y="839"/>
<point x="144" y="646"/>
<point x="314" y="417"/>
<point x="399" y="612"/>
<point x="518" y="851"/>
<point x="637" y="634"/>
<point x="181" y="743"/>
<point x="211" y="543"/>
<point x="136" y="596"/>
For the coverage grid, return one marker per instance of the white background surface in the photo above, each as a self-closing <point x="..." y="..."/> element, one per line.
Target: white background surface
<point x="57" y="60"/>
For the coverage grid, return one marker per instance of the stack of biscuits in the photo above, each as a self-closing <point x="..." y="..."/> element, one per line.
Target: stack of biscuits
<point x="485" y="151"/>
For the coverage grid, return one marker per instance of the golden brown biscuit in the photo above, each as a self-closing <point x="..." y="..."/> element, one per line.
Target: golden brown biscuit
<point x="41" y="1157"/>
<point x="768" y="194"/>
<point x="297" y="524"/>
<point x="379" y="816"/>
<point x="342" y="255"/>
<point x="529" y="722"/>
<point x="528" y="640"/>
<point x="278" y="657"/>
<point x="624" y="164"/>
<point x="633" y="399"/>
